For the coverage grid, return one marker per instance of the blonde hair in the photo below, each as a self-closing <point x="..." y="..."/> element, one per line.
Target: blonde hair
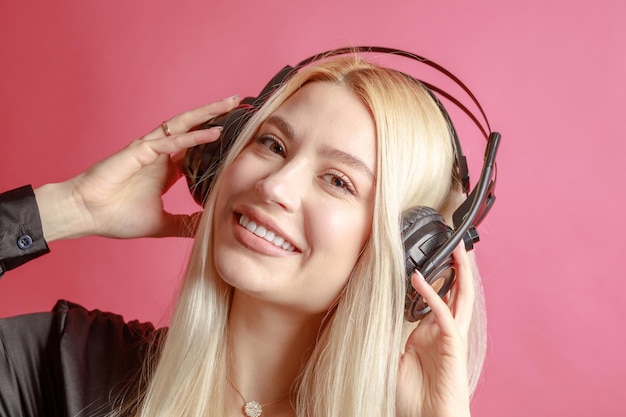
<point x="352" y="370"/>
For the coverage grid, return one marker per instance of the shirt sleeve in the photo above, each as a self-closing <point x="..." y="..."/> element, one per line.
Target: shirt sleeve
<point x="21" y="234"/>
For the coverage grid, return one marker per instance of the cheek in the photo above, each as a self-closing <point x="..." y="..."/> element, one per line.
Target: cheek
<point x="235" y="178"/>
<point x="338" y="240"/>
<point x="343" y="232"/>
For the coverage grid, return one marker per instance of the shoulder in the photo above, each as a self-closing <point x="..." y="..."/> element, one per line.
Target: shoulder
<point x="72" y="320"/>
<point x="75" y="355"/>
<point x="99" y="343"/>
<point x="73" y="335"/>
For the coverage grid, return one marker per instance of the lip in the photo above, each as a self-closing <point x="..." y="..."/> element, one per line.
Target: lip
<point x="255" y="242"/>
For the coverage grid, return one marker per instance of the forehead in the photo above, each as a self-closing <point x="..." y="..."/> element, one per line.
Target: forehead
<point x="328" y="114"/>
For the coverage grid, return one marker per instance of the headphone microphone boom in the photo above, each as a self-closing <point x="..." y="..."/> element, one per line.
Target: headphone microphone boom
<point x="427" y="240"/>
<point x="428" y="247"/>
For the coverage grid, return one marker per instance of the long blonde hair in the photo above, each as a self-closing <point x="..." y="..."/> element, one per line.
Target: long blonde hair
<point x="352" y="370"/>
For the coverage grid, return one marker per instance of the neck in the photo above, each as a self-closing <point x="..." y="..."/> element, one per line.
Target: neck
<point x="267" y="346"/>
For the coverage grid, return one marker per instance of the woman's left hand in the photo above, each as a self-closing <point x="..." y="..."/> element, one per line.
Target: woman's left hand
<point x="432" y="377"/>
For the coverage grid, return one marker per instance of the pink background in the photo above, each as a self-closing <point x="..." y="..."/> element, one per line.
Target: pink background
<point x="80" y="79"/>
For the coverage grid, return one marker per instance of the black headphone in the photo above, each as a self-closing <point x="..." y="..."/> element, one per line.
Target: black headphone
<point x="428" y="241"/>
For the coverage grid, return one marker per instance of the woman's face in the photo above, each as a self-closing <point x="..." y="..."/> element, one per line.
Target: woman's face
<point x="294" y="210"/>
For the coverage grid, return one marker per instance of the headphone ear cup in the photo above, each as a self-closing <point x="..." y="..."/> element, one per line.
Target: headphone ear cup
<point x="424" y="231"/>
<point x="202" y="162"/>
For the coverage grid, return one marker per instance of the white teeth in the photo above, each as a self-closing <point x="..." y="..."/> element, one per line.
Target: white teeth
<point x="268" y="235"/>
<point x="260" y="231"/>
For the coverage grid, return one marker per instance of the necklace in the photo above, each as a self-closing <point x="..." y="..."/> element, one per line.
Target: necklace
<point x="252" y="408"/>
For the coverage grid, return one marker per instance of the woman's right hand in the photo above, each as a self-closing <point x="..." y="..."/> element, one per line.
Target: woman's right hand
<point x="121" y="196"/>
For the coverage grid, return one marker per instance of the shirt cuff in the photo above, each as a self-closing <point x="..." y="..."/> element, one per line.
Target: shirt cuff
<point x="21" y="234"/>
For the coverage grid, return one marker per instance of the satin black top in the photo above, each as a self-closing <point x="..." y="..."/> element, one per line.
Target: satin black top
<point x="69" y="362"/>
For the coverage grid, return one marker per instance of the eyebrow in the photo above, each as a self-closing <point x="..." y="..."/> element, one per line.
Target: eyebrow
<point x="348" y="159"/>
<point x="327" y="151"/>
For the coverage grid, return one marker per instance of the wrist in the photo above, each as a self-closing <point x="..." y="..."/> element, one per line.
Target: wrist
<point x="61" y="216"/>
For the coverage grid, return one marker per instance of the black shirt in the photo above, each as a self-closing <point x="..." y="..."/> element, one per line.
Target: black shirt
<point x="68" y="362"/>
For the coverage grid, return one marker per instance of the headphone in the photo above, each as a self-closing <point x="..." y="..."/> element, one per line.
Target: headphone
<point x="427" y="240"/>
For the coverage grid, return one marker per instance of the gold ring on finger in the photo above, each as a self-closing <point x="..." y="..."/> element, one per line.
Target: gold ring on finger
<point x="166" y="129"/>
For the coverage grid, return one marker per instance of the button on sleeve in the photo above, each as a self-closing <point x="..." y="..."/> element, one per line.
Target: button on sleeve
<point x="24" y="242"/>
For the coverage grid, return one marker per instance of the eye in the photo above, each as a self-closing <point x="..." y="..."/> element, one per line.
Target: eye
<point x="340" y="182"/>
<point x="271" y="143"/>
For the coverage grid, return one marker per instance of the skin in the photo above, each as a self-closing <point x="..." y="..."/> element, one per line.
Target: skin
<point x="269" y="332"/>
<point x="297" y="177"/>
<point x="432" y="374"/>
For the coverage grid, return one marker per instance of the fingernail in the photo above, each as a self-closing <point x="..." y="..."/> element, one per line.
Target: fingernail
<point x="235" y="97"/>
<point x="419" y="274"/>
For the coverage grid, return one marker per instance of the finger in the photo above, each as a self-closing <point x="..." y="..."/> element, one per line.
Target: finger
<point x="147" y="151"/>
<point x="185" y="121"/>
<point x="465" y="295"/>
<point x="438" y="307"/>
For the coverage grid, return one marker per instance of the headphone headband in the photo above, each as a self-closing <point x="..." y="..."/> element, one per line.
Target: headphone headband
<point x="485" y="130"/>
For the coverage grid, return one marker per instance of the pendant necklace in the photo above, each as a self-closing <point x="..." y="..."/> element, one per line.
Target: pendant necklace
<point x="252" y="408"/>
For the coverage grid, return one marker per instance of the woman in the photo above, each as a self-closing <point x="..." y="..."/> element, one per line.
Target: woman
<point x="293" y="299"/>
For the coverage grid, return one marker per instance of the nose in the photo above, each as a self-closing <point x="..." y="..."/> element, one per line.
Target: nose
<point x="284" y="187"/>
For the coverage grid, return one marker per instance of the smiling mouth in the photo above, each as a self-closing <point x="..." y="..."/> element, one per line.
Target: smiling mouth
<point x="268" y="235"/>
